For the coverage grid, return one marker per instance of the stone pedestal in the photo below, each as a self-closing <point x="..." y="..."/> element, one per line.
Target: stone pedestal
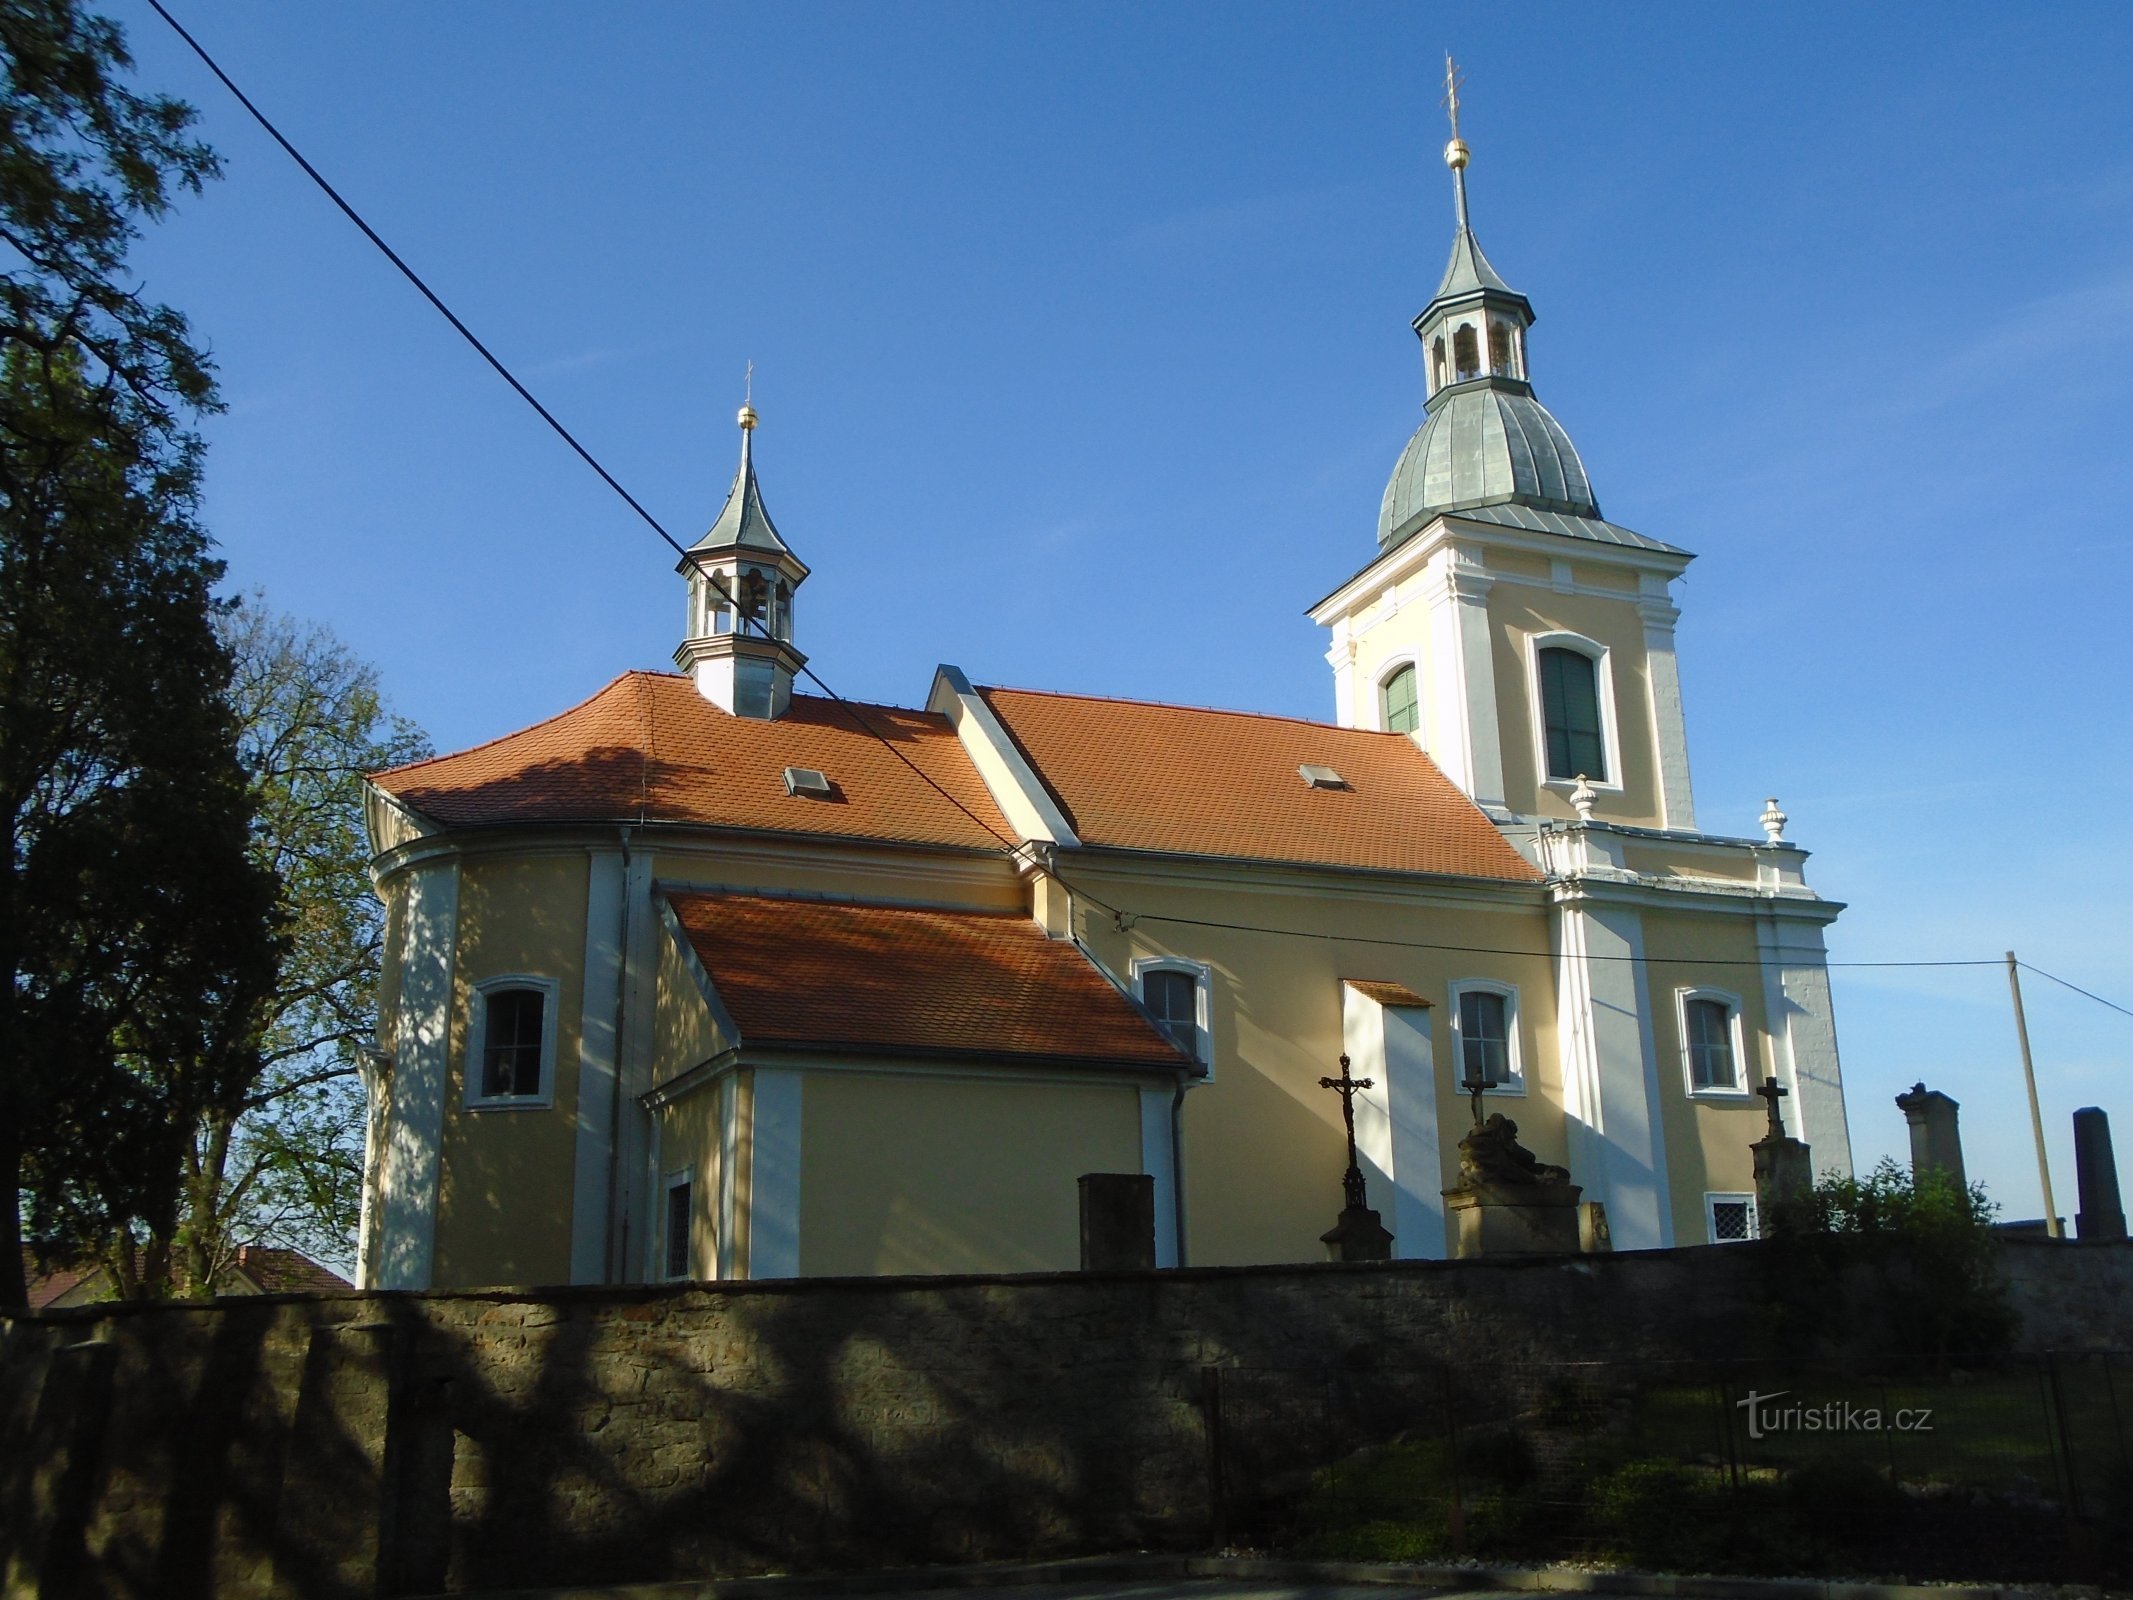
<point x="1784" y="1173"/>
<point x="1514" y="1219"/>
<point x="1594" y="1235"/>
<point x="2100" y="1214"/>
<point x="1117" y="1222"/>
<point x="1936" y="1139"/>
<point x="1358" y="1236"/>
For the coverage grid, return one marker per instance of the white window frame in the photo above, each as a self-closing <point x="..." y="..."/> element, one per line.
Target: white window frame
<point x="1713" y="1199"/>
<point x="1388" y="669"/>
<point x="667" y="1186"/>
<point x="1735" y="1031"/>
<point x="1202" y="986"/>
<point x="1603" y="681"/>
<point x="1514" y="1055"/>
<point x="477" y="1040"/>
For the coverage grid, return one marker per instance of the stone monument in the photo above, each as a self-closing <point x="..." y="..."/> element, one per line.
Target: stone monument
<point x="1509" y="1202"/>
<point x="1784" y="1166"/>
<point x="1936" y="1140"/>
<point x="2100" y="1215"/>
<point x="1359" y="1235"/>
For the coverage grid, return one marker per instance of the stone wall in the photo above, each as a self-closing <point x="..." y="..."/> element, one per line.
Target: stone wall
<point x="351" y="1445"/>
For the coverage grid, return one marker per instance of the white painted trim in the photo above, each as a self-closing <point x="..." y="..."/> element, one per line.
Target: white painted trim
<point x="1743" y="1066"/>
<point x="1803" y="1031"/>
<point x="541" y="1099"/>
<point x="774" y="1175"/>
<point x="1396" y="1119"/>
<point x="1514" y="1050"/>
<point x="1014" y="785"/>
<point x="1158" y="1160"/>
<point x="595" y="1145"/>
<point x="1670" y="735"/>
<point x="1202" y="976"/>
<point x="629" y="1220"/>
<point x="422" y="1040"/>
<point x="725" y="1263"/>
<point x="1603" y="680"/>
<point x="668" y="1184"/>
<point x="1464" y="737"/>
<point x="1713" y="1199"/>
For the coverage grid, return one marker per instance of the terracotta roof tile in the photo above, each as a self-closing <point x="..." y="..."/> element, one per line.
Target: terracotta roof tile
<point x="279" y="1271"/>
<point x="1140" y="776"/>
<point x="1386" y="994"/>
<point x="906" y="979"/>
<point x="649" y="748"/>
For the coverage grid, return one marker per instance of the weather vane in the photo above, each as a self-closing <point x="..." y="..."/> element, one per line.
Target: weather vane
<point x="1456" y="154"/>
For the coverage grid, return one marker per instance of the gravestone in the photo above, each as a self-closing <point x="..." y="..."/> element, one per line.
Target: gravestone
<point x="1117" y="1222"/>
<point x="1509" y="1203"/>
<point x="1936" y="1139"/>
<point x="1784" y="1166"/>
<point x="2100" y="1214"/>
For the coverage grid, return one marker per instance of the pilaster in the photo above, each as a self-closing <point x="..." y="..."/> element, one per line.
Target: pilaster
<point x="598" y="1012"/>
<point x="1803" y="1031"/>
<point x="422" y="1070"/>
<point x="632" y="1178"/>
<point x="1159" y="1161"/>
<point x="1670" y="738"/>
<point x="1466" y="741"/>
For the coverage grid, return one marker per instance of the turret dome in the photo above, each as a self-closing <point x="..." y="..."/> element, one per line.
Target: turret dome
<point x="1484" y="443"/>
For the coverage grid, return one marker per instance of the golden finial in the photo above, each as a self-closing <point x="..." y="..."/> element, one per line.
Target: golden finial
<point x="1456" y="153"/>
<point x="747" y="418"/>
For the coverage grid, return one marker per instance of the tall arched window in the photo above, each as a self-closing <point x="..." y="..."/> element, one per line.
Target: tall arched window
<point x="1502" y="360"/>
<point x="783" y="629"/>
<point x="754" y="596"/>
<point x="1466" y="353"/>
<point x="1436" y="364"/>
<point x="1398" y="705"/>
<point x="1570" y="705"/>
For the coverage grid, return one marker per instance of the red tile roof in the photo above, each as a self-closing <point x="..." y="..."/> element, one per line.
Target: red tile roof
<point x="904" y="979"/>
<point x="278" y="1271"/>
<point x="650" y="748"/>
<point x="1386" y="994"/>
<point x="1179" y="779"/>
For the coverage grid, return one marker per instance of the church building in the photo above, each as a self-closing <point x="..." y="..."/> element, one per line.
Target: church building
<point x="707" y="977"/>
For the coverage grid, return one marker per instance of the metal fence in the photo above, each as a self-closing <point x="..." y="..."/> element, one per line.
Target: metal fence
<point x="2020" y="1468"/>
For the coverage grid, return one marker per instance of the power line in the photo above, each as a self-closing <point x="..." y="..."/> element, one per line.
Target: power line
<point x="850" y="709"/>
<point x="2062" y="983"/>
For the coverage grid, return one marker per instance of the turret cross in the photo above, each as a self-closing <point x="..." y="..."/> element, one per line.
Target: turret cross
<point x="1348" y="1087"/>
<point x="1772" y="1091"/>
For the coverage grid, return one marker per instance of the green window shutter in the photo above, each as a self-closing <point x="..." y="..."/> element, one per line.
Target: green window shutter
<point x="1402" y="710"/>
<point x="1570" y="702"/>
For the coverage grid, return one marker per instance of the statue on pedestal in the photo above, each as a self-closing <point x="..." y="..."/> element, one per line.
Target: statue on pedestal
<point x="1509" y="1202"/>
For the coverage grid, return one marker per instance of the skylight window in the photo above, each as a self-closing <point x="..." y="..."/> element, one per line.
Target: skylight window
<point x="807" y="781"/>
<point x="1320" y="777"/>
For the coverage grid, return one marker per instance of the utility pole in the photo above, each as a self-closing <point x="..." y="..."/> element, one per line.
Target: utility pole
<point x="2029" y="1076"/>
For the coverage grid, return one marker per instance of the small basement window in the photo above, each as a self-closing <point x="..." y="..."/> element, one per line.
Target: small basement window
<point x="1731" y="1217"/>
<point x="806" y="781"/>
<point x="1320" y="777"/>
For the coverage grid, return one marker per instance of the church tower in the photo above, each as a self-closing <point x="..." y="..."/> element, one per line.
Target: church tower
<point x="742" y="578"/>
<point x="1525" y="642"/>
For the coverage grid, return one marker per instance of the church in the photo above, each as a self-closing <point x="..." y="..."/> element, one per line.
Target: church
<point x="711" y="978"/>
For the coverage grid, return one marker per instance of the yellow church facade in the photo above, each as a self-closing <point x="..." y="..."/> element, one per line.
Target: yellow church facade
<point x="708" y="978"/>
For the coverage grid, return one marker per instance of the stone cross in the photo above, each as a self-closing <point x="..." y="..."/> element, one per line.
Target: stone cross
<point x="1348" y="1087"/>
<point x="1772" y="1091"/>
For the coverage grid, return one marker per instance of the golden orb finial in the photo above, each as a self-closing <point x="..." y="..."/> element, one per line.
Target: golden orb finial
<point x="747" y="419"/>
<point x="1456" y="155"/>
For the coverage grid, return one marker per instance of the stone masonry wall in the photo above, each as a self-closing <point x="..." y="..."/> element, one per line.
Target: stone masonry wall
<point x="390" y="1444"/>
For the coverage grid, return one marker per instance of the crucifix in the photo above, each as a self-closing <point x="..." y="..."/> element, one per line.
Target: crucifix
<point x="1772" y="1091"/>
<point x="1474" y="1083"/>
<point x="1348" y="1087"/>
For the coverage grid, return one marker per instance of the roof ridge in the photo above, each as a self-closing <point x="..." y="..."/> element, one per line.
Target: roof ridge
<point x="1175" y="705"/>
<point x="501" y="738"/>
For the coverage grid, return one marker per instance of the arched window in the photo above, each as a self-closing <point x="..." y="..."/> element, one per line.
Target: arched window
<point x="1485" y="1035"/>
<point x="1436" y="365"/>
<point x="784" y="626"/>
<point x="755" y="595"/>
<point x="1175" y="993"/>
<point x="1502" y="360"/>
<point x="1398" y="705"/>
<point x="1466" y="352"/>
<point x="1712" y="1043"/>
<point x="511" y="1042"/>
<point x="1570" y="708"/>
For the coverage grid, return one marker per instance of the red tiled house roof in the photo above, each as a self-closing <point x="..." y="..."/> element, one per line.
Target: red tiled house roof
<point x="650" y="748"/>
<point x="1179" y="779"/>
<point x="910" y="980"/>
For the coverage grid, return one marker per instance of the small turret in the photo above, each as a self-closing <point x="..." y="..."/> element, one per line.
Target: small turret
<point x="742" y="578"/>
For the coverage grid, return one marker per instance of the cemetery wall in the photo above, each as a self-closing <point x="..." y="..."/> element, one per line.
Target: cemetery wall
<point x="360" y="1444"/>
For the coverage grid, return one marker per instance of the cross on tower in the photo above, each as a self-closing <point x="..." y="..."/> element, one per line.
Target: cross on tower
<point x="1347" y="1087"/>
<point x="1452" y="79"/>
<point x="1772" y="1091"/>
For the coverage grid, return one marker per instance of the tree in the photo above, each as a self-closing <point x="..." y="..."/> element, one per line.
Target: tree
<point x="134" y="926"/>
<point x="279" y="1159"/>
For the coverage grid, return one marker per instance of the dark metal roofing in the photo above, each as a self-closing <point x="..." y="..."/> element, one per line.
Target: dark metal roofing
<point x="1484" y="443"/>
<point x="1510" y="514"/>
<point x="1469" y="272"/>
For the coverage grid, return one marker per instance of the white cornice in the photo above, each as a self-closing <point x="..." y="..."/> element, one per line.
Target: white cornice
<point x="1304" y="880"/>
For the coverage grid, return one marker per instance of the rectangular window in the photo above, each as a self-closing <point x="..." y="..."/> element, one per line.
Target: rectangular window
<point x="511" y="1044"/>
<point x="1710" y="1040"/>
<point x="1174" y="999"/>
<point x="678" y="1218"/>
<point x="1484" y="1037"/>
<point x="1570" y="704"/>
<point x="1731" y="1216"/>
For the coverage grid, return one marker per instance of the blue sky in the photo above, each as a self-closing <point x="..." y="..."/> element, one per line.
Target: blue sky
<point x="1082" y="352"/>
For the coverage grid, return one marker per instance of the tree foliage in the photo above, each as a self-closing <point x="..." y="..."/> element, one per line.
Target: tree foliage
<point x="134" y="924"/>
<point x="279" y="1160"/>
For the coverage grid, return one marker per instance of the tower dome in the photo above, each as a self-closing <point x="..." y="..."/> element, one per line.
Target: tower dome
<point x="1487" y="440"/>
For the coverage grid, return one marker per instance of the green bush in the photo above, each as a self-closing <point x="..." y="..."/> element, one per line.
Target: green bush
<point x="1660" y="1514"/>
